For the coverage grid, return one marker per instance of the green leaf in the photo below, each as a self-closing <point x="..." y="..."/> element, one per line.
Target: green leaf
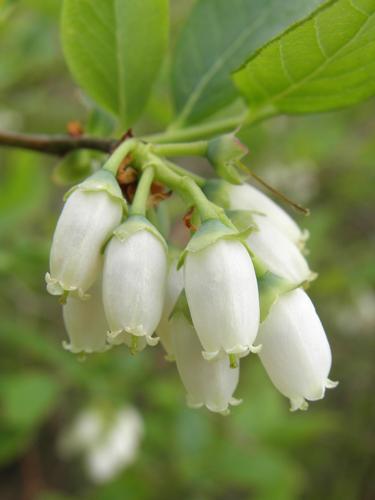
<point x="324" y="63"/>
<point x="218" y="37"/>
<point x="27" y="398"/>
<point x="114" y="49"/>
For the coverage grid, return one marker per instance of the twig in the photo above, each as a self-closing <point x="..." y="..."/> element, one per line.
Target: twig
<point x="58" y="145"/>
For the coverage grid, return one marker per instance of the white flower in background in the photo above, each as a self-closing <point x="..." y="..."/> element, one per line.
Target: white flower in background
<point x="175" y="285"/>
<point x="222" y="292"/>
<point x="208" y="383"/>
<point x="91" y="212"/>
<point x="277" y="251"/>
<point x="107" y="441"/>
<point x="295" y="350"/>
<point x="134" y="278"/>
<point x="85" y="323"/>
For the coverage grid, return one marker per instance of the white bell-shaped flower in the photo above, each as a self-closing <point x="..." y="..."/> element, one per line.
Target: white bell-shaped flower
<point x="279" y="254"/>
<point x="295" y="350"/>
<point x="91" y="212"/>
<point x="85" y="323"/>
<point x="222" y="292"/>
<point x="208" y="383"/>
<point x="247" y="197"/>
<point x="134" y="278"/>
<point x="175" y="285"/>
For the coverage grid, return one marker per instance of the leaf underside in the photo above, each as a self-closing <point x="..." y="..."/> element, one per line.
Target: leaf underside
<point x="114" y="49"/>
<point x="218" y="37"/>
<point x="325" y="63"/>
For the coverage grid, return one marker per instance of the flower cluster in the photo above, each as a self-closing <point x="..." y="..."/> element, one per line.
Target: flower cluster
<point x="236" y="288"/>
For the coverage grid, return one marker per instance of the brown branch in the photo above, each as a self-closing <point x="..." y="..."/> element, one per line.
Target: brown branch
<point x="58" y="145"/>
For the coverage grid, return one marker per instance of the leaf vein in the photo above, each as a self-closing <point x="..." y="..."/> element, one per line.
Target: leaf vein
<point x="283" y="63"/>
<point x="320" y="68"/>
<point x="318" y="38"/>
<point x="359" y="9"/>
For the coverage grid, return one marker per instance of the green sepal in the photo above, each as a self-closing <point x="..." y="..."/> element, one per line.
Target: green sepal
<point x="181" y="307"/>
<point x="223" y="153"/>
<point x="217" y="191"/>
<point x="271" y="287"/>
<point x="102" y="180"/>
<point x="243" y="220"/>
<point x="134" y="224"/>
<point x="209" y="233"/>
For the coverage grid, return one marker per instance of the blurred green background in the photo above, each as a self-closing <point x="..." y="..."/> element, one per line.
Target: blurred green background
<point x="261" y="451"/>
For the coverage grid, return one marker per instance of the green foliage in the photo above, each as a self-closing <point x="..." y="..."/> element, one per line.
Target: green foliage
<point x="114" y="50"/>
<point x="38" y="393"/>
<point x="217" y="38"/>
<point x="259" y="452"/>
<point x="326" y="62"/>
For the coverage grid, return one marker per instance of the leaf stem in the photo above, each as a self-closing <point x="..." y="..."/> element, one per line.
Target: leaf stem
<point x="197" y="148"/>
<point x="197" y="132"/>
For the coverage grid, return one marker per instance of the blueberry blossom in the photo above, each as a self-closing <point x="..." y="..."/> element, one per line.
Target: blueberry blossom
<point x="92" y="210"/>
<point x="221" y="290"/>
<point x="295" y="350"/>
<point x="247" y="197"/>
<point x="85" y="323"/>
<point x="134" y="278"/>
<point x="208" y="383"/>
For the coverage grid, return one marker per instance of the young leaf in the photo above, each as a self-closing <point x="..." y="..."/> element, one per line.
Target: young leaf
<point x="114" y="49"/>
<point x="326" y="62"/>
<point x="218" y="37"/>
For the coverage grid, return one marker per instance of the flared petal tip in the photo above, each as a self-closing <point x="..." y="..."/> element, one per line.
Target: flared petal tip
<point x="56" y="287"/>
<point x="222" y="409"/>
<point x="133" y="338"/>
<point x="87" y="350"/>
<point x="298" y="404"/>
<point x="238" y="351"/>
<point x="331" y="384"/>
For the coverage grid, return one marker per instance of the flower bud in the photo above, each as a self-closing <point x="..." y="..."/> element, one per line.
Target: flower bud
<point x="208" y="383"/>
<point x="85" y="323"/>
<point x="277" y="252"/>
<point x="295" y="350"/>
<point x="223" y="153"/>
<point x="174" y="286"/>
<point x="247" y="197"/>
<point x="221" y="290"/>
<point x="134" y="278"/>
<point x="92" y="210"/>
